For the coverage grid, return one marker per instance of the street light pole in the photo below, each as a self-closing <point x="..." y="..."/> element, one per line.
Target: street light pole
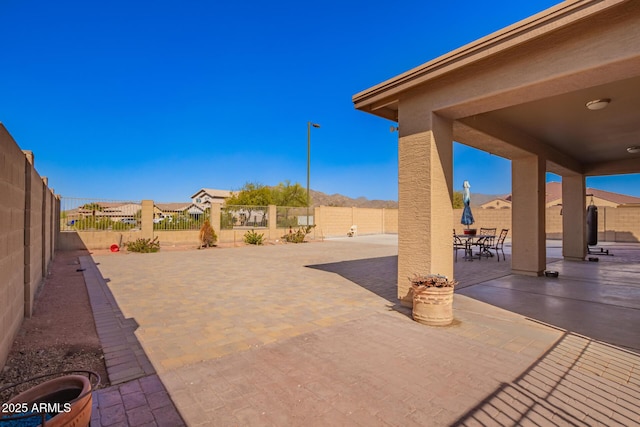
<point x="315" y="125"/>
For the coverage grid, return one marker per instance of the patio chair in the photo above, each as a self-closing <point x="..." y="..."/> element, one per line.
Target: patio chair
<point x="499" y="245"/>
<point x="458" y="244"/>
<point x="485" y="243"/>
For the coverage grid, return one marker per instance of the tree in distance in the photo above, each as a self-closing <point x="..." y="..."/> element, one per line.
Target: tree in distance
<point x="283" y="194"/>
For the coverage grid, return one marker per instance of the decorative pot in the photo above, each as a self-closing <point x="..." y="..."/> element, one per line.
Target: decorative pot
<point x="65" y="401"/>
<point x="433" y="306"/>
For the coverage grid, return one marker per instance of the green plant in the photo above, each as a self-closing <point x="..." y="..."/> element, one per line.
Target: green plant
<point x="298" y="235"/>
<point x="253" y="238"/>
<point x="143" y="245"/>
<point x="208" y="235"/>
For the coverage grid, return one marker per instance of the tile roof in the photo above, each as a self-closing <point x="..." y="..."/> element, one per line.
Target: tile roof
<point x="213" y="192"/>
<point x="554" y="192"/>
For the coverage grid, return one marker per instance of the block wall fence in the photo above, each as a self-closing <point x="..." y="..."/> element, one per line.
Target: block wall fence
<point x="29" y="212"/>
<point x="330" y="222"/>
<point x="30" y="231"/>
<point x="614" y="225"/>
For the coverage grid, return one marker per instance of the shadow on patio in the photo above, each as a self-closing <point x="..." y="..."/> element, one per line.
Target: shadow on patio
<point x="377" y="275"/>
<point x="578" y="381"/>
<point x="380" y="275"/>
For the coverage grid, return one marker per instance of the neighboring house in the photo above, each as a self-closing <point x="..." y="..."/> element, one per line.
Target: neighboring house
<point x="206" y="196"/>
<point x="600" y="198"/>
<point x="498" y="203"/>
<point x="112" y="210"/>
<point x="553" y="197"/>
<point x="117" y="212"/>
<point x="167" y="209"/>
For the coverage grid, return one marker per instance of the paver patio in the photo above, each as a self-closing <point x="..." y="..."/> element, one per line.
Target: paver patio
<point x="311" y="335"/>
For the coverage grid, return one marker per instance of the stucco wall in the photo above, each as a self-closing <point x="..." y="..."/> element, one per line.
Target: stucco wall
<point x="27" y="237"/>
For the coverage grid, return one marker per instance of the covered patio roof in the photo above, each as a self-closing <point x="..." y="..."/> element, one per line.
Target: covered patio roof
<point x="520" y="93"/>
<point x="534" y="78"/>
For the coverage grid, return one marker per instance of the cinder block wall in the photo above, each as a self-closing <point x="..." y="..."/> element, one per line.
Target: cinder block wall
<point x="28" y="229"/>
<point x="619" y="224"/>
<point x="336" y="221"/>
<point x="614" y="224"/>
<point x="333" y="221"/>
<point x="484" y="218"/>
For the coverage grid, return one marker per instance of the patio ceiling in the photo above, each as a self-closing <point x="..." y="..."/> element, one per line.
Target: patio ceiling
<point x="590" y="137"/>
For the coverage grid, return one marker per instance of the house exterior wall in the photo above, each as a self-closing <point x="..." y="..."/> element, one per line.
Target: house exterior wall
<point x="28" y="230"/>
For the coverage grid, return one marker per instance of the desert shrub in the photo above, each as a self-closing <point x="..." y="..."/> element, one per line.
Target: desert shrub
<point x="208" y="235"/>
<point x="253" y="238"/>
<point x="298" y="235"/>
<point x="143" y="245"/>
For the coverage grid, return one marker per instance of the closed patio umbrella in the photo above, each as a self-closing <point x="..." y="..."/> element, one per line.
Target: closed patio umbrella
<point x="467" y="216"/>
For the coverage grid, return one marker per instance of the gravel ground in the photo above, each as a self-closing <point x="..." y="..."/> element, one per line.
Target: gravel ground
<point x="61" y="334"/>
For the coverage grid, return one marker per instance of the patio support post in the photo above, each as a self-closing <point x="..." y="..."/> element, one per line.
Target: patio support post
<point x="528" y="215"/>
<point x="272" y="222"/>
<point x="147" y="219"/>
<point x="215" y="216"/>
<point x="574" y="218"/>
<point x="425" y="175"/>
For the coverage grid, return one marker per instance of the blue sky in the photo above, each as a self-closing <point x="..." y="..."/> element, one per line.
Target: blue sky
<point x="155" y="100"/>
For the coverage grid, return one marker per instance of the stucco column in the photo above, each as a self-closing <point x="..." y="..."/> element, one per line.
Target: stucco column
<point x="272" y="222"/>
<point x="146" y="228"/>
<point x="425" y="175"/>
<point x="528" y="216"/>
<point x="215" y="214"/>
<point x="574" y="218"/>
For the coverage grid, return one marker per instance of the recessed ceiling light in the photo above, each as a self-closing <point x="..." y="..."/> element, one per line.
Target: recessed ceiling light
<point x="634" y="150"/>
<point x="598" y="104"/>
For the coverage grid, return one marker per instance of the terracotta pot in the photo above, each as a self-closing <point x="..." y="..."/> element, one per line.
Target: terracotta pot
<point x="70" y="395"/>
<point x="433" y="306"/>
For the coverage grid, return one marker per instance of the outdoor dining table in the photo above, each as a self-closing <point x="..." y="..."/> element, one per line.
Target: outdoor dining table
<point x="469" y="241"/>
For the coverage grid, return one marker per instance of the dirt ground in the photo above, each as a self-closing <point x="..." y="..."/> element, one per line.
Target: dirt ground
<point x="61" y="334"/>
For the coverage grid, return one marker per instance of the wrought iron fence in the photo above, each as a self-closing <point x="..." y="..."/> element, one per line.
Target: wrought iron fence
<point x="242" y="216"/>
<point x="179" y="216"/>
<point x="101" y="215"/>
<point x="98" y="214"/>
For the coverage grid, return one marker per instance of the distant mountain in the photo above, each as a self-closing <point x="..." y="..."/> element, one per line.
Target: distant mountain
<point x="322" y="199"/>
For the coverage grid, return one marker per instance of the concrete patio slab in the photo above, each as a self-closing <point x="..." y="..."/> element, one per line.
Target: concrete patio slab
<point x="312" y="335"/>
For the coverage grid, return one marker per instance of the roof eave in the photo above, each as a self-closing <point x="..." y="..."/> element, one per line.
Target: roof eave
<point x="540" y="24"/>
